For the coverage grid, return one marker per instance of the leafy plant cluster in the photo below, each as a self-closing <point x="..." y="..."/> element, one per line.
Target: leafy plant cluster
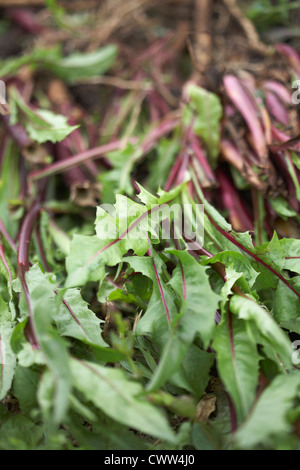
<point x="135" y="340"/>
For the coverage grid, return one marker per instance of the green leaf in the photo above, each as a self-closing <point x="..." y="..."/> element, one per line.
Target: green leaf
<point x="117" y="180"/>
<point x="197" y="365"/>
<point x="181" y="406"/>
<point x="9" y="186"/>
<point x="116" y="233"/>
<point x="171" y="358"/>
<point x="7" y="356"/>
<point x="163" y="197"/>
<point x="25" y="388"/>
<point x="269" y="416"/>
<point x="200" y="303"/>
<point x="248" y="309"/>
<point x="291" y="251"/>
<point x="83" y="264"/>
<point x="20" y="433"/>
<point x="232" y="277"/>
<point x="237" y="361"/>
<point x="238" y="262"/>
<point x="286" y="303"/>
<point x="48" y="126"/>
<point x="73" y="68"/>
<point x="12" y="65"/>
<point x="73" y="318"/>
<point x="206" y="110"/>
<point x="200" y="439"/>
<point x="197" y="316"/>
<point x="292" y="325"/>
<point x="272" y="253"/>
<point x="160" y="166"/>
<point x="26" y="354"/>
<point x="42" y="125"/>
<point x="154" y="322"/>
<point x="281" y="206"/>
<point x="79" y="66"/>
<point x="125" y="404"/>
<point x="54" y="348"/>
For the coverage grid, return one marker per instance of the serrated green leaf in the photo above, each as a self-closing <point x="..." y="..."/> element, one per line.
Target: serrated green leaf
<point x="73" y="318"/>
<point x="238" y="262"/>
<point x="286" y="305"/>
<point x="291" y="251"/>
<point x="42" y="125"/>
<point x="119" y="229"/>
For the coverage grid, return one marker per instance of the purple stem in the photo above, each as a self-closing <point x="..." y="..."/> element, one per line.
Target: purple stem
<point x="203" y="161"/>
<point x="183" y="167"/>
<point x="181" y="269"/>
<point x="135" y="186"/>
<point x="173" y="174"/>
<point x="17" y="132"/>
<point x="7" y="236"/>
<point x="25" y="235"/>
<point x="247" y="106"/>
<point x="74" y="175"/>
<point x="292" y="55"/>
<point x="281" y="164"/>
<point x="23" y="265"/>
<point x="280" y="90"/>
<point x="183" y="281"/>
<point x="158" y="282"/>
<point x="238" y="213"/>
<point x="286" y="143"/>
<point x="2" y="256"/>
<point x="233" y="156"/>
<point x="73" y="161"/>
<point x="277" y="108"/>
<point x="232" y="412"/>
<point x="26" y="19"/>
<point x="259" y="260"/>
